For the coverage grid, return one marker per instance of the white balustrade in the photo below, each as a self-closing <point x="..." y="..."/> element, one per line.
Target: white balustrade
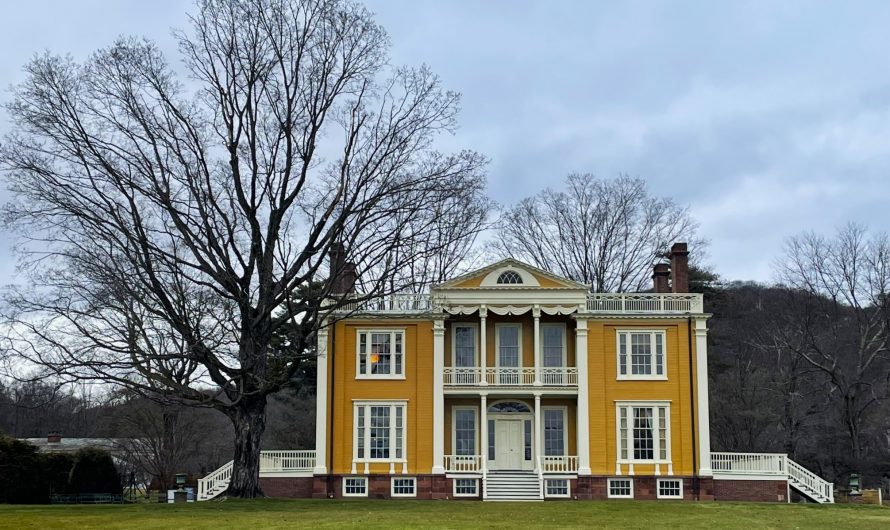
<point x="749" y="463"/>
<point x="463" y="463"/>
<point x="503" y="376"/>
<point x="644" y="303"/>
<point x="393" y="303"/>
<point x="809" y="479"/>
<point x="270" y="462"/>
<point x="558" y="464"/>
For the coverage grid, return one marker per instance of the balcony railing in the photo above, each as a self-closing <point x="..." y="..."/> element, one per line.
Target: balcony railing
<point x="644" y="303"/>
<point x="749" y="463"/>
<point x="463" y="463"/>
<point x="558" y="464"/>
<point x="500" y="376"/>
<point x="278" y="461"/>
<point x="394" y="303"/>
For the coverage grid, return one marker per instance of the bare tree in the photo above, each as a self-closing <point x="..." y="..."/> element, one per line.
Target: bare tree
<point x="607" y="233"/>
<point x="169" y="226"/>
<point x="842" y="328"/>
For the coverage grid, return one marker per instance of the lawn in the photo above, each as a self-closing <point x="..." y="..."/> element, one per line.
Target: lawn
<point x="444" y="514"/>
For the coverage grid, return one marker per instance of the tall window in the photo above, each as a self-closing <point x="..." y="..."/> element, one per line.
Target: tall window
<point x="554" y="432"/>
<point x="641" y="355"/>
<point x="553" y="351"/>
<point x="464" y="432"/>
<point x="381" y="354"/>
<point x="464" y="346"/>
<point x="643" y="432"/>
<point x="379" y="431"/>
<point x="508" y="337"/>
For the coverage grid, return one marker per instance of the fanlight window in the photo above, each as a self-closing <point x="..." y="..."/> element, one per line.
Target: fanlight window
<point x="509" y="277"/>
<point x="509" y="406"/>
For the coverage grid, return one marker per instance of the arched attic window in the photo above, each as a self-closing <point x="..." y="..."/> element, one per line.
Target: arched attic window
<point x="509" y="278"/>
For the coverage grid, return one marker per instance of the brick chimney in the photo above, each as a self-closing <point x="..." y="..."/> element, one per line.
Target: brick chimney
<point x="660" y="276"/>
<point x="679" y="268"/>
<point x="343" y="273"/>
<point x="54" y="438"/>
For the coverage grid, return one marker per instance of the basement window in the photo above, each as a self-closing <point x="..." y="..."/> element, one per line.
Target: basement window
<point x="404" y="487"/>
<point x="466" y="487"/>
<point x="556" y="488"/>
<point x="670" y="488"/>
<point x="621" y="488"/>
<point x="355" y="487"/>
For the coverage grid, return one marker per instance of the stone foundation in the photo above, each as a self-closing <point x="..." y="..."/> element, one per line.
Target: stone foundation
<point x="289" y="487"/>
<point x="751" y="490"/>
<point x="645" y="487"/>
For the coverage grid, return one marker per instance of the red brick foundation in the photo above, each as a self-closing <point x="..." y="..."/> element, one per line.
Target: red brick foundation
<point x="751" y="490"/>
<point x="290" y="487"/>
<point x="645" y="488"/>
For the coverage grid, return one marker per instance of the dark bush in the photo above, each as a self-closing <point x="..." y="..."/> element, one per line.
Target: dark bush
<point x="20" y="473"/>
<point x="94" y="472"/>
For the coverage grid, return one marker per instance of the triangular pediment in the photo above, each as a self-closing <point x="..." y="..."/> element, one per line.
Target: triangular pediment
<point x="510" y="273"/>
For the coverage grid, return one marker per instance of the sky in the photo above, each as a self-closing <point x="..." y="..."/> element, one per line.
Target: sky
<point x="765" y="118"/>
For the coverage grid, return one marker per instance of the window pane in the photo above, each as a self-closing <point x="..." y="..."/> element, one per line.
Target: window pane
<point x="641" y="354"/>
<point x="528" y="439"/>
<point x="398" y="353"/>
<point x="360" y="432"/>
<point x="465" y="486"/>
<point x="622" y="426"/>
<point x="554" y="433"/>
<point x="464" y="347"/>
<point x="362" y="353"/>
<point x="381" y="353"/>
<point x="508" y="341"/>
<point x="620" y="487"/>
<point x="491" y="439"/>
<point x="553" y="338"/>
<point x="399" y="430"/>
<point x="379" y="432"/>
<point x="662" y="432"/>
<point x="659" y="354"/>
<point x="465" y="432"/>
<point x="643" y="435"/>
<point x="622" y="353"/>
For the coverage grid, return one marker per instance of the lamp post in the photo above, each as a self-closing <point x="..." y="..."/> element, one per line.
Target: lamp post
<point x="180" y="495"/>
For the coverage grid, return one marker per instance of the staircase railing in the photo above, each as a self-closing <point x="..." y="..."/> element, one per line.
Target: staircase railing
<point x="211" y="485"/>
<point x="811" y="480"/>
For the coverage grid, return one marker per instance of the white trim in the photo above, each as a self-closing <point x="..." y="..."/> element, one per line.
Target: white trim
<point x="459" y="495"/>
<point x="658" y="494"/>
<point x="438" y="397"/>
<point x="778" y="478"/>
<point x="565" y="428"/>
<point x="476" y="339"/>
<point x="392" y="487"/>
<point x="364" y="480"/>
<point x="491" y="279"/>
<point x="367" y="403"/>
<point x="609" y="488"/>
<point x="321" y="403"/>
<point x="582" y="423"/>
<point x="628" y="332"/>
<point x="701" y="391"/>
<point x="656" y="441"/>
<point x="566" y="495"/>
<point x="454" y="409"/>
<point x="392" y="333"/>
<point x="565" y="353"/>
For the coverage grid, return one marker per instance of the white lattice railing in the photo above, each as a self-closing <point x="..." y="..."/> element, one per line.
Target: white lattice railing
<point x="500" y="376"/>
<point x="270" y="462"/>
<point x="394" y="303"/>
<point x="463" y="463"/>
<point x="749" y="463"/>
<point x="644" y="303"/>
<point x="810" y="480"/>
<point x="558" y="464"/>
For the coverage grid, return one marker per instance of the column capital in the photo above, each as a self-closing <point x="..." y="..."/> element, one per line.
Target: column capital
<point x="438" y="327"/>
<point x="536" y="311"/>
<point x="483" y="311"/>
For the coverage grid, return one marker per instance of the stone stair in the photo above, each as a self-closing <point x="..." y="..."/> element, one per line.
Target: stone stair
<point x="512" y="486"/>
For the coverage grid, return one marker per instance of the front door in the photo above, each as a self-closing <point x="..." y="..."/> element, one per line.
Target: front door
<point x="508" y="443"/>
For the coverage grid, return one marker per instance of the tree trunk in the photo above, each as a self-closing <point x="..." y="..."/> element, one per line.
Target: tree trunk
<point x="249" y="419"/>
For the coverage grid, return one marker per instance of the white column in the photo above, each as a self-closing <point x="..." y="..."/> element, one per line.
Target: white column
<point x="704" y="423"/>
<point x="483" y="343"/>
<point x="438" y="397"/>
<point x="483" y="432"/>
<point x="536" y="313"/>
<point x="537" y="452"/>
<point x="321" y="402"/>
<point x="583" y="423"/>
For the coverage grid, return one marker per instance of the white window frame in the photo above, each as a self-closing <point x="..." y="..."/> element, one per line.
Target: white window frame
<point x="367" y="404"/>
<point x="565" y="495"/>
<point x="392" y="487"/>
<point x="454" y="410"/>
<point x="475" y="485"/>
<point x="565" y="429"/>
<point x="656" y="441"/>
<point x="454" y="327"/>
<point x="364" y="481"/>
<point x="658" y="488"/>
<point x="609" y="488"/>
<point x="628" y="376"/>
<point x="392" y="332"/>
<point x="497" y="343"/>
<point x="565" y="353"/>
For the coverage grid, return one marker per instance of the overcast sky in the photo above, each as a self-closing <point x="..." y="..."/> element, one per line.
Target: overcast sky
<point x="766" y="118"/>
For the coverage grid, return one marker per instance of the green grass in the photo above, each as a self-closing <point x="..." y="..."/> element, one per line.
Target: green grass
<point x="445" y="514"/>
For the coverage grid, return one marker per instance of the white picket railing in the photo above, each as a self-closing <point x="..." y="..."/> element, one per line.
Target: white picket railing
<point x="644" y="303"/>
<point x="501" y="376"/>
<point x="810" y="480"/>
<point x="393" y="303"/>
<point x="558" y="464"/>
<point x="463" y="463"/>
<point x="270" y="462"/>
<point x="749" y="463"/>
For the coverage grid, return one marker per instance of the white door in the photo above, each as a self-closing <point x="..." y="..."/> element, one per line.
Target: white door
<point x="508" y="444"/>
